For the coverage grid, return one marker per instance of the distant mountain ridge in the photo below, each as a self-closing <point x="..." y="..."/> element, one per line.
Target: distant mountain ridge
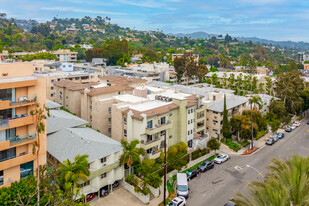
<point x="289" y="44"/>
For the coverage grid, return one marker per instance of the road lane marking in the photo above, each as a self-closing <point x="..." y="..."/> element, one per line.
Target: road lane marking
<point x="237" y="168"/>
<point x="247" y="185"/>
<point x="260" y="173"/>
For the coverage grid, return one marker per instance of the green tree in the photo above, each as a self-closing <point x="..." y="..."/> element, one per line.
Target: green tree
<point x="214" y="79"/>
<point x="202" y="71"/>
<point x="269" y="85"/>
<point x="213" y="144"/>
<point x="236" y="122"/>
<point x="224" y="79"/>
<point x="254" y="100"/>
<point x="261" y="88"/>
<point x="186" y="65"/>
<point x="287" y="183"/>
<point x="232" y="80"/>
<point x="131" y="153"/>
<point x="226" y="125"/>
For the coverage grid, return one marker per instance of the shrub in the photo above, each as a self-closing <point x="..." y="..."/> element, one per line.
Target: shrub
<point x="181" y="147"/>
<point x="299" y="118"/>
<point x="244" y="143"/>
<point x="132" y="180"/>
<point x="172" y="151"/>
<point x="232" y="145"/>
<point x="154" y="180"/>
<point x="205" y="151"/>
<point x="260" y="134"/>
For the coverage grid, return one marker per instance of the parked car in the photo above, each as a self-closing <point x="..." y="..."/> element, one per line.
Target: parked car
<point x="280" y="135"/>
<point x="275" y="138"/>
<point x="297" y="124"/>
<point x="90" y="196"/>
<point x="177" y="201"/>
<point x="270" y="141"/>
<point x="207" y="165"/>
<point x="104" y="191"/>
<point x="221" y="158"/>
<point x="292" y="126"/>
<point x="308" y="122"/>
<point x="288" y="129"/>
<point x="115" y="184"/>
<point x="191" y="173"/>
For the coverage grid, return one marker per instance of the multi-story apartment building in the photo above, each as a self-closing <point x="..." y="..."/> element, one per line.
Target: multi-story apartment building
<point x="68" y="136"/>
<point x="215" y="107"/>
<point x="20" y="90"/>
<point x="68" y="94"/>
<point x="81" y="77"/>
<point x="112" y="80"/>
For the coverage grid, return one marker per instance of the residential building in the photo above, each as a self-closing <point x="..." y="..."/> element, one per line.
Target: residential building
<point x="20" y="91"/>
<point x="68" y="136"/>
<point x="68" y="94"/>
<point x="215" y="107"/>
<point x="112" y="80"/>
<point x="266" y="100"/>
<point x="65" y="55"/>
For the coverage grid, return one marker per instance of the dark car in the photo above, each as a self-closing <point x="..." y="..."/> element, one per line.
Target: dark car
<point x="280" y="135"/>
<point x="308" y="122"/>
<point x="191" y="173"/>
<point x="288" y="129"/>
<point x="115" y="184"/>
<point x="104" y="191"/>
<point x="207" y="165"/>
<point x="90" y="196"/>
<point x="275" y="138"/>
<point x="270" y="141"/>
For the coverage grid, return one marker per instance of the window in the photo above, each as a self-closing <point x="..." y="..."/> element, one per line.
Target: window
<point x="90" y="118"/>
<point x="26" y="169"/>
<point x="149" y="124"/>
<point x="90" y="106"/>
<point x="162" y="133"/>
<point x="191" y="121"/>
<point x="109" y="120"/>
<point x="162" y="120"/>
<point x="76" y="78"/>
<point x="149" y="151"/>
<point x="103" y="175"/>
<point x="7" y="154"/>
<point x="188" y="111"/>
<point x="51" y="88"/>
<point x="103" y="159"/>
<point x="66" y="106"/>
<point x="125" y="121"/>
<point x="170" y="137"/>
<point x="188" y="121"/>
<point x="191" y="110"/>
<point x="109" y="110"/>
<point x="1" y="177"/>
<point x="51" y="94"/>
<point x="125" y="132"/>
<point x="214" y="98"/>
<point x="149" y="138"/>
<point x="52" y="80"/>
<point x="85" y="184"/>
<point x="92" y="77"/>
<point x="66" y="97"/>
<point x="188" y="132"/>
<point x="171" y="114"/>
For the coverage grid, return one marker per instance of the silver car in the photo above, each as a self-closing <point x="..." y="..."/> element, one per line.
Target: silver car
<point x="221" y="158"/>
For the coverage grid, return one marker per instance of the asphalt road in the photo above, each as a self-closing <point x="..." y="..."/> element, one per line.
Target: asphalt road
<point x="216" y="186"/>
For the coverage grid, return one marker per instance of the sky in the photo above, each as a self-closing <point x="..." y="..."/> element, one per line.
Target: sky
<point x="268" y="19"/>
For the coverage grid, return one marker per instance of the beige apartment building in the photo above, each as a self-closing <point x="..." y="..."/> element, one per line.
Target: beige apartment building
<point x="68" y="94"/>
<point x="215" y="107"/>
<point x="20" y="90"/>
<point x="117" y="80"/>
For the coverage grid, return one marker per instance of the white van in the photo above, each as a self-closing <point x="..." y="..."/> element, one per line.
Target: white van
<point x="182" y="185"/>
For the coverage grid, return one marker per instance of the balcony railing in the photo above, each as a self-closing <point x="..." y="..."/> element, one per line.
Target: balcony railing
<point x="22" y="138"/>
<point x="200" y="116"/>
<point x="199" y="126"/>
<point x="23" y="100"/>
<point x="151" y="141"/>
<point x="155" y="152"/>
<point x="159" y="125"/>
<point x="14" y="156"/>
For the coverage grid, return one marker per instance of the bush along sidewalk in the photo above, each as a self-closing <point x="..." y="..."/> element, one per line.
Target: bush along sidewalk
<point x="232" y="145"/>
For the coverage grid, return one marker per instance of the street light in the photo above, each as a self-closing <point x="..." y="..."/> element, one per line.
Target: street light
<point x="259" y="173"/>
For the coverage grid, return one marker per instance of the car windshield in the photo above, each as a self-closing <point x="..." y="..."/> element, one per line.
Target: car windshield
<point x="220" y="157"/>
<point x="182" y="188"/>
<point x="172" y="204"/>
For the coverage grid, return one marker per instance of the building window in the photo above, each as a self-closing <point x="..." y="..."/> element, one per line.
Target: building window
<point x="162" y="133"/>
<point x="162" y="120"/>
<point x="103" y="175"/>
<point x="188" y="121"/>
<point x="188" y="111"/>
<point x="109" y="110"/>
<point x="66" y="97"/>
<point x="171" y="136"/>
<point x="7" y="154"/>
<point x="125" y="121"/>
<point x="103" y="159"/>
<point x="171" y="114"/>
<point x="109" y="130"/>
<point x="90" y="118"/>
<point x="52" y="95"/>
<point x="92" y="77"/>
<point x="125" y="132"/>
<point x="1" y="177"/>
<point x="26" y="169"/>
<point x="52" y="80"/>
<point x="191" y="120"/>
<point x="109" y="120"/>
<point x="149" y="138"/>
<point x="85" y="183"/>
<point x="66" y="106"/>
<point x="149" y="151"/>
<point x="76" y="78"/>
<point x="191" y="110"/>
<point x="188" y="132"/>
<point x="51" y="88"/>
<point x="149" y="124"/>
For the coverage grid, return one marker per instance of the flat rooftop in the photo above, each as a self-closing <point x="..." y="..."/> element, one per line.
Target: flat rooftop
<point x="149" y="105"/>
<point x="130" y="98"/>
<point x="18" y="79"/>
<point x="152" y="89"/>
<point x="170" y="94"/>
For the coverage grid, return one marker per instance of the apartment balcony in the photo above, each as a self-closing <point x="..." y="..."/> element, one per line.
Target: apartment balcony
<point x="16" y="160"/>
<point x="4" y="123"/>
<point x="24" y="101"/>
<point x="19" y="139"/>
<point x="159" y="128"/>
<point x="97" y="172"/>
<point x="200" y="116"/>
<point x="153" y="155"/>
<point x="149" y="144"/>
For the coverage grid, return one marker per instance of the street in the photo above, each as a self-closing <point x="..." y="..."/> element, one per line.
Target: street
<point x="216" y="186"/>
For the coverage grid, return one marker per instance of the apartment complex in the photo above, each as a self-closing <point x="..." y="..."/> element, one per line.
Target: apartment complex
<point x="68" y="136"/>
<point x="63" y="55"/>
<point x="215" y="107"/>
<point x="20" y="90"/>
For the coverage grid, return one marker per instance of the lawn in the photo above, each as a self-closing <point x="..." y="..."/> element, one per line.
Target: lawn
<point x="196" y="165"/>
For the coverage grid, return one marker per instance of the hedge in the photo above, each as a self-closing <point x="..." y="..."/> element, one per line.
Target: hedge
<point x="260" y="134"/>
<point x="232" y="145"/>
<point x="199" y="152"/>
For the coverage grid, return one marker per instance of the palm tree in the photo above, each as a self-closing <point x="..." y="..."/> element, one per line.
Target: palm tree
<point x="131" y="153"/>
<point x="287" y="184"/>
<point x="72" y="172"/>
<point x="255" y="100"/>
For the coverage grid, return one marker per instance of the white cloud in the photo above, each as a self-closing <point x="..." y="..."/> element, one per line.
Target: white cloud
<point x="147" y="3"/>
<point x="77" y="10"/>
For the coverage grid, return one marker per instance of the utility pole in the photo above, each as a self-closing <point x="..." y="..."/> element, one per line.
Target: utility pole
<point x="164" y="184"/>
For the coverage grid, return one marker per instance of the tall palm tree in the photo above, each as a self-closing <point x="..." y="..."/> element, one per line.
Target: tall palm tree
<point x="74" y="171"/>
<point x="255" y="100"/>
<point x="131" y="153"/>
<point x="287" y="184"/>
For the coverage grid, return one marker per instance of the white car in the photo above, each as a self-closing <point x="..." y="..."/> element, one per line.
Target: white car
<point x="297" y="124"/>
<point x="177" y="201"/>
<point x="292" y="126"/>
<point x="221" y="158"/>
